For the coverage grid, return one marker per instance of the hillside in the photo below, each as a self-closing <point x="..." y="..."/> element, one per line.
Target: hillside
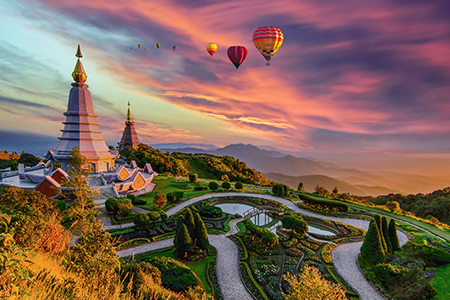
<point x="272" y="161"/>
<point x="311" y="181"/>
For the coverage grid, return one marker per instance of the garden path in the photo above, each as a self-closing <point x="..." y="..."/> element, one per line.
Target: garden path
<point x="345" y="255"/>
<point x="227" y="264"/>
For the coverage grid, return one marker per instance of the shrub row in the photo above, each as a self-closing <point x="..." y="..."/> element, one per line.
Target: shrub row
<point x="323" y="203"/>
<point x="132" y="243"/>
<point x="326" y="253"/>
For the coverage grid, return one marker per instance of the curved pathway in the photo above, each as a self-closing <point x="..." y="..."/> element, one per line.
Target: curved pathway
<point x="344" y="256"/>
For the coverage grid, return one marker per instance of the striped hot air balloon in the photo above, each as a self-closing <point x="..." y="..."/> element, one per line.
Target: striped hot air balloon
<point x="237" y="55"/>
<point x="268" y="40"/>
<point x="211" y="48"/>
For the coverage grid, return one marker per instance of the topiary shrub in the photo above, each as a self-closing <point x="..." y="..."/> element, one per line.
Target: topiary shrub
<point x="210" y="211"/>
<point x="296" y="223"/>
<point x="118" y="206"/>
<point x="200" y="188"/>
<point x="213" y="185"/>
<point x="432" y="256"/>
<point x="193" y="177"/>
<point x="226" y="185"/>
<point x="239" y="185"/>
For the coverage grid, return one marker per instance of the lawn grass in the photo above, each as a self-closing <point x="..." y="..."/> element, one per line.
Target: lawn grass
<point x="199" y="268"/>
<point x="441" y="283"/>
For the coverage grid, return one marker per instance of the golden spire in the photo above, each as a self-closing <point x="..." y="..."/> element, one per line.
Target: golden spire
<point x="129" y="117"/>
<point x="78" y="74"/>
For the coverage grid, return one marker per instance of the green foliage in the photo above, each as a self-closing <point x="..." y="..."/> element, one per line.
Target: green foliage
<point x="213" y="185"/>
<point x="296" y="223"/>
<point x="393" y="236"/>
<point x="118" y="206"/>
<point x="210" y="211"/>
<point x="201" y="235"/>
<point x="387" y="273"/>
<point x="432" y="256"/>
<point x="321" y="191"/>
<point x="261" y="238"/>
<point x="28" y="159"/>
<point x="190" y="223"/>
<point x="385" y="230"/>
<point x="280" y="189"/>
<point x="372" y="249"/>
<point x="141" y="220"/>
<point x="154" y="216"/>
<point x="377" y="219"/>
<point x="82" y="211"/>
<point x="183" y="241"/>
<point x="162" y="215"/>
<point x="174" y="275"/>
<point x="193" y="177"/>
<point x="138" y="274"/>
<point x="323" y="203"/>
<point x="239" y="185"/>
<point x="175" y="196"/>
<point x="301" y="187"/>
<point x="132" y="197"/>
<point x="226" y="185"/>
<point x="381" y="201"/>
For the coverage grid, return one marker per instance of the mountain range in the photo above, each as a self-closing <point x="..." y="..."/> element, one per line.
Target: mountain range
<point x="290" y="170"/>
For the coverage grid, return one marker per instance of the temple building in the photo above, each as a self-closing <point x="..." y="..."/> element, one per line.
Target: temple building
<point x="81" y="127"/>
<point x="129" y="136"/>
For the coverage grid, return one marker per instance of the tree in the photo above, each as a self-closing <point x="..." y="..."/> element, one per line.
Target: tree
<point x="394" y="206"/>
<point x="310" y="285"/>
<point x="201" y="234"/>
<point x="226" y="185"/>
<point x="393" y="236"/>
<point x="118" y="206"/>
<point x="239" y="185"/>
<point x="154" y="216"/>
<point x="280" y="189"/>
<point x="335" y="191"/>
<point x="184" y="241"/>
<point x="224" y="177"/>
<point x="385" y="230"/>
<point x="320" y="190"/>
<point x="372" y="251"/>
<point x="82" y="211"/>
<point x="141" y="220"/>
<point x="160" y="200"/>
<point x="162" y="215"/>
<point x="190" y="224"/>
<point x="380" y="230"/>
<point x="213" y="185"/>
<point x="301" y="187"/>
<point x="193" y="177"/>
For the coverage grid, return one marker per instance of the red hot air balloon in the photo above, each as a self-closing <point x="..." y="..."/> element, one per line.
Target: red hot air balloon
<point x="139" y="45"/>
<point x="237" y="55"/>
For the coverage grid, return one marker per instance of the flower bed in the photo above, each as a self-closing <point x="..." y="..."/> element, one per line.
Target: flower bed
<point x="212" y="280"/>
<point x="250" y="282"/>
<point x="326" y="253"/>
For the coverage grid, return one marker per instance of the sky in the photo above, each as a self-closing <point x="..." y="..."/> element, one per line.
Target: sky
<point x="350" y="76"/>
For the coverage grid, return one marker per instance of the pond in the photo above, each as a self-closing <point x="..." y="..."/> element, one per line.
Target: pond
<point x="263" y="219"/>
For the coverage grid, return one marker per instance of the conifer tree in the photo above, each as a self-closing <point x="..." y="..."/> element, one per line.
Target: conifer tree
<point x="180" y="221"/>
<point x="201" y="234"/>
<point x="380" y="230"/>
<point x="184" y="241"/>
<point x="385" y="230"/>
<point x="190" y="224"/>
<point x="393" y="236"/>
<point x="301" y="187"/>
<point x="82" y="210"/>
<point x="372" y="250"/>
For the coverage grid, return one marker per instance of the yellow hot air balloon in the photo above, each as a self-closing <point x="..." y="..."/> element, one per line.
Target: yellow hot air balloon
<point x="268" y="40"/>
<point x="211" y="48"/>
<point x="158" y="45"/>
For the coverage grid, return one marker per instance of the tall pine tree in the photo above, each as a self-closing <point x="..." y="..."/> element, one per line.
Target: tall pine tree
<point x="393" y="236"/>
<point x="184" y="241"/>
<point x="201" y="234"/>
<point x="372" y="250"/>
<point x="180" y="221"/>
<point x="380" y="229"/>
<point x="385" y="230"/>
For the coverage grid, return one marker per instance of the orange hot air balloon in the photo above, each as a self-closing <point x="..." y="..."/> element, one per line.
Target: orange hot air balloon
<point x="139" y="45"/>
<point x="268" y="40"/>
<point x="211" y="48"/>
<point x="237" y="55"/>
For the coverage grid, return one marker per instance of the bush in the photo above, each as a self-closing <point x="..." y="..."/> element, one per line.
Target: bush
<point x="323" y="204"/>
<point x="239" y="185"/>
<point x="432" y="256"/>
<point x="174" y="274"/>
<point x="61" y="204"/>
<point x="213" y="185"/>
<point x="388" y="273"/>
<point x="200" y="188"/>
<point x="193" y="177"/>
<point x="210" y="211"/>
<point x="132" y="197"/>
<point x="280" y="189"/>
<point x="138" y="202"/>
<point x="296" y="223"/>
<point x="118" y="206"/>
<point x="226" y="185"/>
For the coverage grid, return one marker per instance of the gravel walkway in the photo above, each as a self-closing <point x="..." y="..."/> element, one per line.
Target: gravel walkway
<point x="227" y="264"/>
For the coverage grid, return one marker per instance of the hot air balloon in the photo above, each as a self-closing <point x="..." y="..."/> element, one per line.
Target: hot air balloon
<point x="174" y="48"/>
<point x="145" y="48"/>
<point x="158" y="45"/>
<point x="267" y="40"/>
<point x="211" y="48"/>
<point x="139" y="45"/>
<point x="237" y="55"/>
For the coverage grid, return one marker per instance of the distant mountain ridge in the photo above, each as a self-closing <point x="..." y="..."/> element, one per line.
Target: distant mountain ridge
<point x="271" y="161"/>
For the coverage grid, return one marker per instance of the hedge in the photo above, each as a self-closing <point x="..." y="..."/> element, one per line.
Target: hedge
<point x="323" y="203"/>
